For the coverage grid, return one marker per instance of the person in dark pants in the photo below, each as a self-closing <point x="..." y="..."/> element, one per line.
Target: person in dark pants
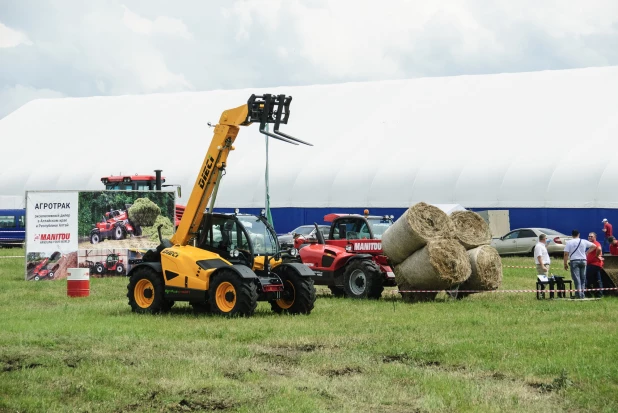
<point x="594" y="264"/>
<point x="607" y="230"/>
<point x="575" y="250"/>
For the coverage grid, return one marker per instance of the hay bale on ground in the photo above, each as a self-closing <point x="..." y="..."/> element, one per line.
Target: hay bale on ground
<point x="441" y="264"/>
<point x="470" y="229"/>
<point x="486" y="268"/>
<point x="411" y="232"/>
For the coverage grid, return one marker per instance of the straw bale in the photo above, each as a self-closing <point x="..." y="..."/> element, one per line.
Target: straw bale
<point x="486" y="269"/>
<point x="441" y="264"/>
<point x="411" y="232"/>
<point x="470" y="229"/>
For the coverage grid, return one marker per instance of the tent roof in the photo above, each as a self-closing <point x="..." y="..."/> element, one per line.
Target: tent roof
<point x="538" y="139"/>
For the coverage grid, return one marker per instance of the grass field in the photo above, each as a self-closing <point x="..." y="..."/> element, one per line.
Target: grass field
<point x="488" y="352"/>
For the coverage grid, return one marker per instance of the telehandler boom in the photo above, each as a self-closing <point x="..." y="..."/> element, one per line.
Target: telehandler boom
<point x="178" y="271"/>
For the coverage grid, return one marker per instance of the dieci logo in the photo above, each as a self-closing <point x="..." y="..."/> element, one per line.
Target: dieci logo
<point x="53" y="238"/>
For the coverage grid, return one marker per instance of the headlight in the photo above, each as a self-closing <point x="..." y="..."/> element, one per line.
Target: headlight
<point x="293" y="252"/>
<point x="234" y="253"/>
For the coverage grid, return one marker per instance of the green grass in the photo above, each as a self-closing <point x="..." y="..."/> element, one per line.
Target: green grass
<point x="488" y="352"/>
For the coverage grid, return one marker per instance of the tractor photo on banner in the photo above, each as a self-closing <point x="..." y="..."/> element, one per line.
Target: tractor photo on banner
<point x="93" y="229"/>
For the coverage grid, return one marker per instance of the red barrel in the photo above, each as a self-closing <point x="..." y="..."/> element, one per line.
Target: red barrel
<point x="78" y="282"/>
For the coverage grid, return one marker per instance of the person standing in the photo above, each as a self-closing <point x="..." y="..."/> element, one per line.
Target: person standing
<point x="594" y="264"/>
<point x="613" y="245"/>
<point x="608" y="231"/>
<point x="541" y="256"/>
<point x="575" y="250"/>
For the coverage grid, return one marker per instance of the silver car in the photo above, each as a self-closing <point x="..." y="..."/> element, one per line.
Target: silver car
<point x="521" y="241"/>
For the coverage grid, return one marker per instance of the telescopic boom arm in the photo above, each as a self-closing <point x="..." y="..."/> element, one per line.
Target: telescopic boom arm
<point x="260" y="109"/>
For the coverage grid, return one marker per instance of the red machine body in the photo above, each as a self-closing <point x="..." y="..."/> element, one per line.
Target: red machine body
<point x="351" y="261"/>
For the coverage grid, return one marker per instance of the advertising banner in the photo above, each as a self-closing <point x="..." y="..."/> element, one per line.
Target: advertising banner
<point x="105" y="231"/>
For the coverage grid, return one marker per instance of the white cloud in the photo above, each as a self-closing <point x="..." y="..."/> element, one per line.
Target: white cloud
<point x="12" y="38"/>
<point x="162" y="24"/>
<point x="13" y="97"/>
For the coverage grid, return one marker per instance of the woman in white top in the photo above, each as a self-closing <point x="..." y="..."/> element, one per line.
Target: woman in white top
<point x="575" y="250"/>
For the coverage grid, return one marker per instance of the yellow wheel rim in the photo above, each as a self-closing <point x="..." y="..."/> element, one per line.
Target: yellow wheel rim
<point x="144" y="293"/>
<point x="282" y="302"/>
<point x="226" y="297"/>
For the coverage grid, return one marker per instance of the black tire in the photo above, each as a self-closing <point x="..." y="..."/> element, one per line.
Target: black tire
<point x="145" y="292"/>
<point x="298" y="296"/>
<point x="118" y="232"/>
<point x="95" y="237"/>
<point x="230" y="295"/>
<point x="337" y="291"/>
<point x="99" y="269"/>
<point x="362" y="279"/>
<point x="50" y="274"/>
<point x="119" y="269"/>
<point x="137" y="230"/>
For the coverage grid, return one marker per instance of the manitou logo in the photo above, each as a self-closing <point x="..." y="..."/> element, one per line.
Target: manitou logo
<point x="52" y="237"/>
<point x="368" y="246"/>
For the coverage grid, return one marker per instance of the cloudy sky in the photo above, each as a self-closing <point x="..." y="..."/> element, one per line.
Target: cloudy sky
<point x="57" y="48"/>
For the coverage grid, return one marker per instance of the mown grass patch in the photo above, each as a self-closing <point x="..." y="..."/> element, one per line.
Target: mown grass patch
<point x="487" y="352"/>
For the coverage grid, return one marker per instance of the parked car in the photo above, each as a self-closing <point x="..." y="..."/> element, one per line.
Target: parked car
<point x="521" y="241"/>
<point x="287" y="240"/>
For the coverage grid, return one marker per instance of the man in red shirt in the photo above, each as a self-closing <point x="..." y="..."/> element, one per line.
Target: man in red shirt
<point x="608" y="230"/>
<point x="594" y="264"/>
<point x="613" y="245"/>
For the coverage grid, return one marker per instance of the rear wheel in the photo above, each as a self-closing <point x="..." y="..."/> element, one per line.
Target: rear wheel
<point x="298" y="296"/>
<point x="362" y="279"/>
<point x="145" y="292"/>
<point x="231" y="295"/>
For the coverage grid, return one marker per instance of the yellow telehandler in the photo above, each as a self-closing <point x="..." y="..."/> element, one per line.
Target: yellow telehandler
<point x="224" y="278"/>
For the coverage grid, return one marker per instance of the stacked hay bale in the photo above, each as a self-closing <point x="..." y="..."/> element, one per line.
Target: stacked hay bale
<point x="432" y="251"/>
<point x="474" y="234"/>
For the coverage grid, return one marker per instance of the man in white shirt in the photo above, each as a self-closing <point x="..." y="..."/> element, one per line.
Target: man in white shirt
<point x="575" y="250"/>
<point x="541" y="256"/>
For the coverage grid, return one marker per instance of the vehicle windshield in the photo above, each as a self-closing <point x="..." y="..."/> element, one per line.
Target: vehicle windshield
<point x="303" y="230"/>
<point x="379" y="226"/>
<point x="551" y="232"/>
<point x="264" y="242"/>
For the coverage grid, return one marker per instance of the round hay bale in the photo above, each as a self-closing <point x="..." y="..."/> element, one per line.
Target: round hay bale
<point x="439" y="265"/>
<point x="144" y="212"/>
<point x="486" y="268"/>
<point x="411" y="232"/>
<point x="470" y="229"/>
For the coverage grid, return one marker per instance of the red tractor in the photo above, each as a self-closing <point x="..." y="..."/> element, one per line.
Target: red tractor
<point x="114" y="225"/>
<point x="41" y="270"/>
<point x="351" y="262"/>
<point x="112" y="264"/>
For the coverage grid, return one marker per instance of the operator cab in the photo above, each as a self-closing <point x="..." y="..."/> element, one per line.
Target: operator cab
<point x="348" y="227"/>
<point x="238" y="238"/>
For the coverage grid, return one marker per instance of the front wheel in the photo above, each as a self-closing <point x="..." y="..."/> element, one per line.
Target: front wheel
<point x="145" y="292"/>
<point x="120" y="269"/>
<point x="118" y="232"/>
<point x="362" y="279"/>
<point x="95" y="238"/>
<point x="298" y="296"/>
<point x="231" y="295"/>
<point x="99" y="269"/>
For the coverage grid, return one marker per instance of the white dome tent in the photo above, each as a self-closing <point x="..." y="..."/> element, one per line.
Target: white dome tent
<point x="541" y="144"/>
